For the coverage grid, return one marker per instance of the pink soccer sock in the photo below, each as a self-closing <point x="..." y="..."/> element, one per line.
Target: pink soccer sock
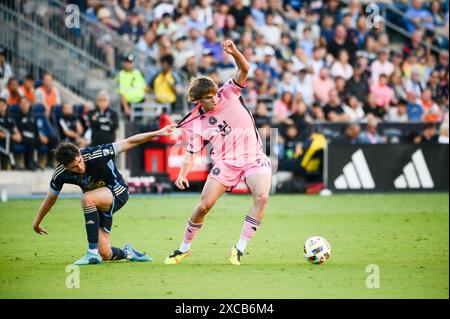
<point x="189" y="235"/>
<point x="249" y="229"/>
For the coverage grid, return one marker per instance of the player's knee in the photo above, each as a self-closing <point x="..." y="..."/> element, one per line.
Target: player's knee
<point x="261" y="201"/>
<point x="87" y="200"/>
<point x="203" y="207"/>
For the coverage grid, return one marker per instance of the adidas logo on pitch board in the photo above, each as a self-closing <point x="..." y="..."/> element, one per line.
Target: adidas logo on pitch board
<point x="356" y="174"/>
<point x="415" y="174"/>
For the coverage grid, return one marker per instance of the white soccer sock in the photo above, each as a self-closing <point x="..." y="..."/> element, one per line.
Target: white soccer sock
<point x="184" y="247"/>
<point x="93" y="251"/>
<point x="241" y="245"/>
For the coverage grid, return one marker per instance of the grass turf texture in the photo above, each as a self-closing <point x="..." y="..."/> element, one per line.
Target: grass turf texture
<point x="406" y="235"/>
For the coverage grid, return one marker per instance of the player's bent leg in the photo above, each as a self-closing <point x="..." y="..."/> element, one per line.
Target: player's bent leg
<point x="91" y="202"/>
<point x="259" y="185"/>
<point x="210" y="194"/>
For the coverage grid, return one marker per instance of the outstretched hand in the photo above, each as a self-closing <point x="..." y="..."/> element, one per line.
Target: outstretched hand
<point x="229" y="47"/>
<point x="167" y="130"/>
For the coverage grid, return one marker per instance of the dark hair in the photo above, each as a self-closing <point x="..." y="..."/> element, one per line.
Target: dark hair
<point x="66" y="152"/>
<point x="168" y="58"/>
<point x="2" y="100"/>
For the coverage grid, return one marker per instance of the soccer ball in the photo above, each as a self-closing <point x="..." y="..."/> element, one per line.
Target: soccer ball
<point x="317" y="250"/>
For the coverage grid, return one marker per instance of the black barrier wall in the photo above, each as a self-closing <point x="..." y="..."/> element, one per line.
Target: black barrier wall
<point x="387" y="168"/>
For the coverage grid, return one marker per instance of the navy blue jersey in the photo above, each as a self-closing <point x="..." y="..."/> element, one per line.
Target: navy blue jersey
<point x="100" y="171"/>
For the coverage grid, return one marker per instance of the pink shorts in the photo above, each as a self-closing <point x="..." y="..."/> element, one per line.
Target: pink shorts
<point x="230" y="176"/>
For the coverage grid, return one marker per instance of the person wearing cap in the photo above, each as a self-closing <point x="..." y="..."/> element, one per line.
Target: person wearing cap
<point x="132" y="29"/>
<point x="266" y="63"/>
<point x="130" y="85"/>
<point x="5" y="69"/>
<point x="381" y="65"/>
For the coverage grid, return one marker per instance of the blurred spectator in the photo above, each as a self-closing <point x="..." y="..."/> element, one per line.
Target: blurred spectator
<point x="431" y="111"/>
<point x="382" y="92"/>
<point x="316" y="113"/>
<point x="341" y="42"/>
<point x="370" y="135"/>
<point x="307" y="41"/>
<point x="443" y="133"/>
<point x="399" y="113"/>
<point x="130" y="85"/>
<point x="70" y="128"/>
<point x="131" y="29"/>
<point x="257" y="11"/>
<point x="104" y="121"/>
<point x="417" y="16"/>
<point x="5" y="69"/>
<point x="341" y="67"/>
<point x="381" y="65"/>
<point x="165" y="83"/>
<point x="291" y="143"/>
<point x="11" y="92"/>
<point x="210" y="42"/>
<point x="350" y="135"/>
<point x="27" y="88"/>
<point x="47" y="94"/>
<point x="415" y="84"/>
<point x="28" y="129"/>
<point x="354" y="110"/>
<point x="149" y="49"/>
<point x="371" y="107"/>
<point x="190" y="68"/>
<point x="7" y="124"/>
<point x="166" y="26"/>
<point x="322" y="85"/>
<point x="334" y="112"/>
<point x="429" y="135"/>
<point x="434" y="86"/>
<point x="180" y="52"/>
<point x="283" y="108"/>
<point x="239" y="11"/>
<point x="396" y="84"/>
<point x="305" y="86"/>
<point x="104" y="38"/>
<point x="261" y="117"/>
<point x="339" y="83"/>
<point x="266" y="63"/>
<point x="442" y="61"/>
<point x="357" y="85"/>
<point x="414" y="108"/>
<point x="317" y="62"/>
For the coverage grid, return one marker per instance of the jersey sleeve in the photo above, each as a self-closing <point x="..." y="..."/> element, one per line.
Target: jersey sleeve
<point x="104" y="151"/>
<point x="57" y="181"/>
<point x="231" y="89"/>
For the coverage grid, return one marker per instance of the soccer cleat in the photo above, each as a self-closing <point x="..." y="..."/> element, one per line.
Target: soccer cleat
<point x="235" y="258"/>
<point x="89" y="259"/>
<point x="134" y="255"/>
<point x="176" y="257"/>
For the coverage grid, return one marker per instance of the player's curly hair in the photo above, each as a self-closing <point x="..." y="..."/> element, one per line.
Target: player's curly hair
<point x="66" y="152"/>
<point x="199" y="87"/>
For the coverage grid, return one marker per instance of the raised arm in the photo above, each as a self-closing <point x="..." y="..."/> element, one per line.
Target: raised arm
<point x="47" y="204"/>
<point x="138" y="139"/>
<point x="243" y="66"/>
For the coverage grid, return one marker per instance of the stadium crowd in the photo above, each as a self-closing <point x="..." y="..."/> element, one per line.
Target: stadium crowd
<point x="312" y="62"/>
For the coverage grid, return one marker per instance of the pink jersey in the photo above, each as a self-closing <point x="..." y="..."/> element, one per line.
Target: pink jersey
<point x="229" y="128"/>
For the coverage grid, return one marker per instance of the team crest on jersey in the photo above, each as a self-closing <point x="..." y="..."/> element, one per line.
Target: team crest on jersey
<point x="212" y="120"/>
<point x="106" y="152"/>
<point x="216" y="171"/>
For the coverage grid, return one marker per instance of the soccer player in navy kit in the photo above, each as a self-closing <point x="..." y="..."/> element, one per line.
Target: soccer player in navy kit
<point x="104" y="193"/>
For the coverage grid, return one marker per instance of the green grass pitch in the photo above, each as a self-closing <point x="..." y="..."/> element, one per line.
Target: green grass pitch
<point x="405" y="235"/>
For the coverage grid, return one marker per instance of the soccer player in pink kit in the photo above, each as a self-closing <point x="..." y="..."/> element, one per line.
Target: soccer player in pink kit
<point x="221" y="119"/>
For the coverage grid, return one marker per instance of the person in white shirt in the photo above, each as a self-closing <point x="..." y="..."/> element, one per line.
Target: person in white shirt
<point x="271" y="32"/>
<point x="382" y="65"/>
<point x="443" y="133"/>
<point x="341" y="67"/>
<point x="353" y="108"/>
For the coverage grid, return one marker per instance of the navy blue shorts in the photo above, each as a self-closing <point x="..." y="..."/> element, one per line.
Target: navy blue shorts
<point x="120" y="197"/>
